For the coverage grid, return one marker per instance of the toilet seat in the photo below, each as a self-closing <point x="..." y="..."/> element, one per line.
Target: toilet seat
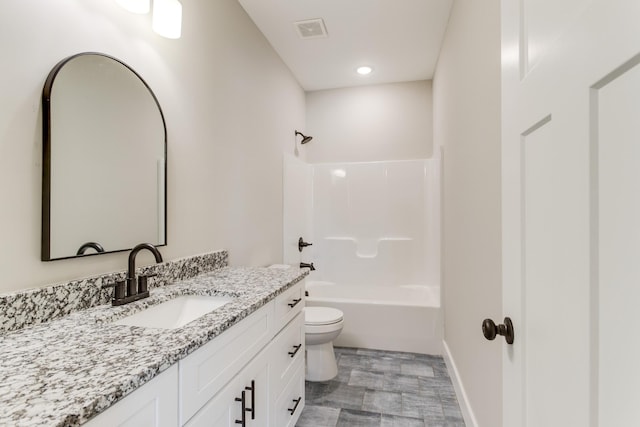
<point x="320" y="316"/>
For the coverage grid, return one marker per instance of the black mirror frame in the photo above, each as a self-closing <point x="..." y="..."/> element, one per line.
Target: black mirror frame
<point x="46" y="158"/>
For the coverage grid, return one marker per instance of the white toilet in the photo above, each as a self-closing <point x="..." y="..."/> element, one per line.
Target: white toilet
<point x="322" y="325"/>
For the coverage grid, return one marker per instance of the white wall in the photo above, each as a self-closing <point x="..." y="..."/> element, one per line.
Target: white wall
<point x="230" y="104"/>
<point x="369" y="123"/>
<point x="466" y="96"/>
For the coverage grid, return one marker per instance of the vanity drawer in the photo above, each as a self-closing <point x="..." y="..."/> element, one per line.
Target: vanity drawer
<point x="287" y="353"/>
<point x="289" y="405"/>
<point x="208" y="369"/>
<point x="288" y="304"/>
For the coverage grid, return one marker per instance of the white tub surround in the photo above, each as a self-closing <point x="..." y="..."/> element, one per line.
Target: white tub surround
<point x="376" y="223"/>
<point x="398" y="318"/>
<point x="63" y="372"/>
<point x="376" y="248"/>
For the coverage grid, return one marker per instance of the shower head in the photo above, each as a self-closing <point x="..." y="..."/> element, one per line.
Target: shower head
<point x="305" y="138"/>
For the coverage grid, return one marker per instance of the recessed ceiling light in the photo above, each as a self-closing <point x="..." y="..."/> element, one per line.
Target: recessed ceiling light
<point x="364" y="70"/>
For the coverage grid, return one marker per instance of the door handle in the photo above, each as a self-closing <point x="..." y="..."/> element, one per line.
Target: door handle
<point x="253" y="399"/>
<point x="294" y="302"/>
<point x="490" y="330"/>
<point x="297" y="402"/>
<point x="296" y="347"/>
<point x="243" y="420"/>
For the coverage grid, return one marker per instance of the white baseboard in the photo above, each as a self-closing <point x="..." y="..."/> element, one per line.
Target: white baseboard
<point x="465" y="407"/>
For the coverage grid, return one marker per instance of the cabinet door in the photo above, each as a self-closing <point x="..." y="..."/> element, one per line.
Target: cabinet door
<point x="289" y="405"/>
<point x="286" y="354"/>
<point x="206" y="371"/>
<point x="225" y="408"/>
<point x="155" y="404"/>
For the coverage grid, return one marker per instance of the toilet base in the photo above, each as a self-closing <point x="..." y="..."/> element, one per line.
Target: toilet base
<point x="321" y="362"/>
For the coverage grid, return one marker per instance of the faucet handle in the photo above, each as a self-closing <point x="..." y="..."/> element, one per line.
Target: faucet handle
<point x="118" y="289"/>
<point x="142" y="282"/>
<point x="302" y="244"/>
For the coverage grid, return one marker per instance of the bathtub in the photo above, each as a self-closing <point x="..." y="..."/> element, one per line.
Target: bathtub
<point x="397" y="318"/>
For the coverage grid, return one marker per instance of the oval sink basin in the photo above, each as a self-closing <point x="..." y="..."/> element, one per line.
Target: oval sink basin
<point x="175" y="313"/>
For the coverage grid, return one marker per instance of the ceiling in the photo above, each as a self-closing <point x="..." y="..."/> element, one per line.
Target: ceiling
<point x="399" y="39"/>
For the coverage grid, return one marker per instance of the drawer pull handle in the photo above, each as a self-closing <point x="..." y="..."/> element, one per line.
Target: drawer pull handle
<point x="253" y="400"/>
<point x="297" y="401"/>
<point x="295" y="302"/>
<point x="243" y="421"/>
<point x="293" y="353"/>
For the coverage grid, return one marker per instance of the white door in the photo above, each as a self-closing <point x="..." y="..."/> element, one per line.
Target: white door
<point x="571" y="212"/>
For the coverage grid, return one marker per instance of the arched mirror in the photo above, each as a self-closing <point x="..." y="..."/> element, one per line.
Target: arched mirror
<point x="105" y="159"/>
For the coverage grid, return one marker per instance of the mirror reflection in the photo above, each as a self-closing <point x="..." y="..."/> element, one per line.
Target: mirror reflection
<point x="104" y="175"/>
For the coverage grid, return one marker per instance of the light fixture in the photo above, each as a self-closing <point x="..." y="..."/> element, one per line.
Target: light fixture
<point x="135" y="6"/>
<point x="167" y="18"/>
<point x="305" y="138"/>
<point x="364" y="70"/>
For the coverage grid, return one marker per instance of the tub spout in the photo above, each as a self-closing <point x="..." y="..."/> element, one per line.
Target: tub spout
<point x="309" y="266"/>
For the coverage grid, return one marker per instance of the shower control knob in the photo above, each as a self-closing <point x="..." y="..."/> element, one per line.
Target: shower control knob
<point x="491" y="330"/>
<point x="302" y="244"/>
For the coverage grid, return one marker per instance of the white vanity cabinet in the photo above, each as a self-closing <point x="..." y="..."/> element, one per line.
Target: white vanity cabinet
<point x="204" y="373"/>
<point x="255" y="368"/>
<point x="260" y="357"/>
<point x="155" y="404"/>
<point x="242" y="402"/>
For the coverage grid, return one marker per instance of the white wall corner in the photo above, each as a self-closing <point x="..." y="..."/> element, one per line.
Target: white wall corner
<point x="463" y="399"/>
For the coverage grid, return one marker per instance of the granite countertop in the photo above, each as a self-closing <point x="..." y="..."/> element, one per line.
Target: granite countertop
<point x="64" y="372"/>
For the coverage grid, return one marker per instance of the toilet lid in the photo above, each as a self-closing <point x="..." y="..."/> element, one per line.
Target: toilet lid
<point x="321" y="315"/>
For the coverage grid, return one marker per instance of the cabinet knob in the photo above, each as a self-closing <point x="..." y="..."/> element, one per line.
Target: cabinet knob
<point x="490" y="330"/>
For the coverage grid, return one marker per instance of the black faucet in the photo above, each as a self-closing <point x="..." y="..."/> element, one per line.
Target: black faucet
<point x="133" y="289"/>
<point x="309" y="266"/>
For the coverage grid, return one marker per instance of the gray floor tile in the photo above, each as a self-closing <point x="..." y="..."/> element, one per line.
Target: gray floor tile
<point x="383" y="388"/>
<point x="339" y="395"/>
<point x="452" y="412"/>
<point x="352" y="418"/>
<point x="401" y="383"/>
<point x="344" y="374"/>
<point x="397" y="421"/>
<point x="440" y="370"/>
<point x="384" y="402"/>
<point x="373" y="380"/>
<point x="318" y="416"/>
<point x="386" y="353"/>
<point x="434" y="383"/>
<point x="352" y="361"/>
<point x="416" y="367"/>
<point x="419" y="406"/>
<point x="386" y="364"/>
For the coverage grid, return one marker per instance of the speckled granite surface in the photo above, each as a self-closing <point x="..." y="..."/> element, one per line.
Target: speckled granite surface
<point x="64" y="372"/>
<point x="27" y="307"/>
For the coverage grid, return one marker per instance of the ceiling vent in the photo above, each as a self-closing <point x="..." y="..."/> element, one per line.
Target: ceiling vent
<point x="311" y="29"/>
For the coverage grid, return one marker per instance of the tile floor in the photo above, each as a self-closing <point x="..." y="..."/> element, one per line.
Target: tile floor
<point x="383" y="389"/>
